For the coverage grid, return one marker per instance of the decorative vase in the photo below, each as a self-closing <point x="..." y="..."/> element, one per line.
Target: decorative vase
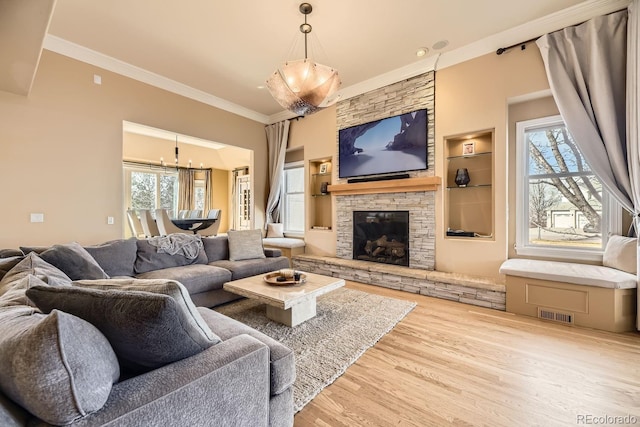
<point x="462" y="177"/>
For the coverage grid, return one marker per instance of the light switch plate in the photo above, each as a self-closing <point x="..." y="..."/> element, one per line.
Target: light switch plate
<point x="37" y="217"/>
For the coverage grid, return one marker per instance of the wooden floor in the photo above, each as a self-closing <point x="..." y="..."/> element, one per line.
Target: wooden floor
<point x="448" y="363"/>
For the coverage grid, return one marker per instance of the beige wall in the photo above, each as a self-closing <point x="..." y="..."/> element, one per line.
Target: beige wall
<point x="62" y="149"/>
<point x="474" y="96"/>
<point x="317" y="134"/>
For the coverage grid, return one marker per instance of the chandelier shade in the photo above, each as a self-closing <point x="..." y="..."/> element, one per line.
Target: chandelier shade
<point x="303" y="86"/>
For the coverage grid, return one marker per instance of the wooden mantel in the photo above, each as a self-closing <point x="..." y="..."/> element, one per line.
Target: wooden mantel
<point x="428" y="183"/>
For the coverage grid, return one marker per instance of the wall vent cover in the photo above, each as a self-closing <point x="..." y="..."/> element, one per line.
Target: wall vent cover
<point x="555" y="316"/>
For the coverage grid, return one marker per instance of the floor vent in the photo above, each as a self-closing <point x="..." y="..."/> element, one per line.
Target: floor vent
<point x="556" y="316"/>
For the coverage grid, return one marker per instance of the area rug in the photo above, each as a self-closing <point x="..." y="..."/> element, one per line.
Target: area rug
<point x="347" y="323"/>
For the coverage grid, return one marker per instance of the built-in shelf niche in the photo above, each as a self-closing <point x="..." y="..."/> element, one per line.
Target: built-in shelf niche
<point x="469" y="208"/>
<point x="320" y="205"/>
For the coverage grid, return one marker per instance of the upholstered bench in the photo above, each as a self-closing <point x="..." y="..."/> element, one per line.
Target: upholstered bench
<point x="289" y="246"/>
<point x="594" y="296"/>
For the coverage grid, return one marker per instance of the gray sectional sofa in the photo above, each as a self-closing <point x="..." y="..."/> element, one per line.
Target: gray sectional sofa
<point x="67" y="344"/>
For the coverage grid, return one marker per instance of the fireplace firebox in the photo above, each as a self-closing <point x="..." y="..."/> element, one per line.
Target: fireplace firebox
<point x="381" y="236"/>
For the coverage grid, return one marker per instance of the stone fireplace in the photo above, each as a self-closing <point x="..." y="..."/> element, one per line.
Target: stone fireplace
<point x="408" y="95"/>
<point x="419" y="206"/>
<point x="381" y="236"/>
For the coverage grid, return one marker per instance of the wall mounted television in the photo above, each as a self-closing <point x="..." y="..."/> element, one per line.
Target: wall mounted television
<point x="391" y="145"/>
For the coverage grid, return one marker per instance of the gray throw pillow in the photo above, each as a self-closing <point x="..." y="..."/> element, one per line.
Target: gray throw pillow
<point x="216" y="247"/>
<point x="75" y="261"/>
<point x="245" y="244"/>
<point x="13" y="285"/>
<point x="149" y="323"/>
<point x="57" y="366"/>
<point x="115" y="257"/>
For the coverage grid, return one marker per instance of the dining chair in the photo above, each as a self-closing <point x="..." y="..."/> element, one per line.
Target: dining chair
<point x="212" y="230"/>
<point x="184" y="213"/>
<point x="195" y="213"/>
<point x="148" y="223"/>
<point x="165" y="225"/>
<point x="135" y="224"/>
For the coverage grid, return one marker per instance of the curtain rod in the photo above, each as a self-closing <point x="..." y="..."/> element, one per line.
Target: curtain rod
<point x="523" y="46"/>
<point x="160" y="166"/>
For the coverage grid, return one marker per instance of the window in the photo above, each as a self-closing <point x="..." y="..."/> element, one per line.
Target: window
<point x="198" y="195"/>
<point x="151" y="188"/>
<point x="563" y="210"/>
<point x="293" y="198"/>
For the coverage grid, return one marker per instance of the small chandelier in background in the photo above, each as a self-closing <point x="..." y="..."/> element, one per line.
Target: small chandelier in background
<point x="303" y="86"/>
<point x="177" y="158"/>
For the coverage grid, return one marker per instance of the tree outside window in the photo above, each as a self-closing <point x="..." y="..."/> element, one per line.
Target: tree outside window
<point x="152" y="189"/>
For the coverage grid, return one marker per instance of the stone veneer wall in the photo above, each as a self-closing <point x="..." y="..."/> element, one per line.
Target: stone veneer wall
<point x="401" y="97"/>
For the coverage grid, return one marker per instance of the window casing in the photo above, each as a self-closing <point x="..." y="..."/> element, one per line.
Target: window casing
<point x="560" y="201"/>
<point x="293" y="198"/>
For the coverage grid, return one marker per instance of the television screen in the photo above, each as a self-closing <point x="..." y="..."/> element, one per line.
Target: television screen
<point x="394" y="144"/>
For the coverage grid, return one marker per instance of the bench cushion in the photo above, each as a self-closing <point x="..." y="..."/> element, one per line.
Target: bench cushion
<point x="283" y="242"/>
<point x="568" y="272"/>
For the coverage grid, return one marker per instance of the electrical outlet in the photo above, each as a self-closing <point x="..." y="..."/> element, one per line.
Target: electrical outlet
<point x="37" y="217"/>
<point x="97" y="79"/>
<point x="110" y="220"/>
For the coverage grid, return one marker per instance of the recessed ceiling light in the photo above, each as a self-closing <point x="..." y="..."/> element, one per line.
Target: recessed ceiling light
<point x="440" y="44"/>
<point x="422" y="52"/>
<point x="260" y="87"/>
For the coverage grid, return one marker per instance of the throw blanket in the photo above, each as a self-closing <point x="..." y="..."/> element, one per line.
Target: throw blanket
<point x="187" y="245"/>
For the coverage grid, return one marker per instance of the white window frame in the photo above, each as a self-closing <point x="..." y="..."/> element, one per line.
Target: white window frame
<point x="296" y="233"/>
<point x="129" y="168"/>
<point x="611" y="210"/>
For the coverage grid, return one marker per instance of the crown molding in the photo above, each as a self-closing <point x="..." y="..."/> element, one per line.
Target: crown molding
<point x="553" y="22"/>
<point x="532" y="29"/>
<point x="83" y="54"/>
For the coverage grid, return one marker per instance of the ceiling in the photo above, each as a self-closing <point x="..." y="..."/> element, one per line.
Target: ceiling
<point x="221" y="52"/>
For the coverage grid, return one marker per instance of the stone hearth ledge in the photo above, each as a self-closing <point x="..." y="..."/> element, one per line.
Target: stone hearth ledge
<point x="480" y="291"/>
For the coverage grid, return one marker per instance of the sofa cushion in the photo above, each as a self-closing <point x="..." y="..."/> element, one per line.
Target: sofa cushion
<point x="281" y="358"/>
<point x="149" y="323"/>
<point x="149" y="259"/>
<point x="275" y="230"/>
<point x="8" y="263"/>
<point x="14" y="284"/>
<point x="252" y="267"/>
<point x="196" y="278"/>
<point x="216" y="247"/>
<point x="57" y="366"/>
<point x="74" y="261"/>
<point x="116" y="257"/>
<point x="621" y="254"/>
<point x="245" y="244"/>
<point x="9" y="253"/>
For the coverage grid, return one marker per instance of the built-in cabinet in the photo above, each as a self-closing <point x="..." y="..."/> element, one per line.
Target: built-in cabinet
<point x="469" y="183"/>
<point x="320" y="208"/>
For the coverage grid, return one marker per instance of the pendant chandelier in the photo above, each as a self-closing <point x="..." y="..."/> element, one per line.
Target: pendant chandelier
<point x="303" y="86"/>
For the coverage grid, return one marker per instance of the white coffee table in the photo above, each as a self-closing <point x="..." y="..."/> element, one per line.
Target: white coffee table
<point x="290" y="305"/>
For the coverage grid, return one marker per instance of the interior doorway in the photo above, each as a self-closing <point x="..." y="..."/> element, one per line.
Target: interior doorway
<point x="147" y="150"/>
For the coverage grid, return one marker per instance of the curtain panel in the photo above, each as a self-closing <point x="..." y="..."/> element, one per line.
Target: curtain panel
<point x="277" y="138"/>
<point x="586" y="68"/>
<point x="593" y="72"/>
<point x="186" y="189"/>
